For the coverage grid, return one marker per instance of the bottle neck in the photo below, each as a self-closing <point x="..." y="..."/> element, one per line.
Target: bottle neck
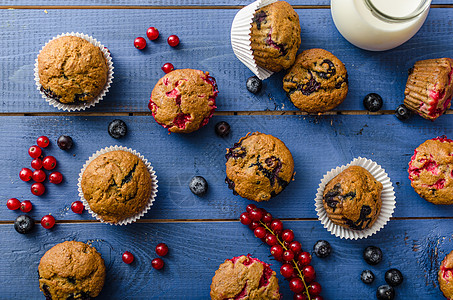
<point x="391" y="17"/>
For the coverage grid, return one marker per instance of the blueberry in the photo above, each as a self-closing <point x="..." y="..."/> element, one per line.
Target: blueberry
<point x="222" y="129"/>
<point x="254" y="84"/>
<point x="322" y="248"/>
<point x="367" y="277"/>
<point x="372" y="102"/>
<point x="64" y="142"/>
<point x="24" y="224"/>
<point x="372" y="255"/>
<point x="402" y="112"/>
<point x="385" y="292"/>
<point x="198" y="185"/>
<point x="393" y="277"/>
<point x="117" y="129"/>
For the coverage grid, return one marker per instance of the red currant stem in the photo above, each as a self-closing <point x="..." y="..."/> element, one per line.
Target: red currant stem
<point x="293" y="261"/>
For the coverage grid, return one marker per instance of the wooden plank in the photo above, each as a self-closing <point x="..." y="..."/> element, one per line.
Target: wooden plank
<point x="204" y="45"/>
<point x="414" y="247"/>
<point x="318" y="144"/>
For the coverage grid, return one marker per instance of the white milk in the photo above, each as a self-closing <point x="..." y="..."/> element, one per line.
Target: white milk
<point x="377" y="32"/>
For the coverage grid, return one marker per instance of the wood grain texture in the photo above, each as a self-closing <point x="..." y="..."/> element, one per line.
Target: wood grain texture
<point x="205" y="45"/>
<point x="414" y="247"/>
<point x="318" y="144"/>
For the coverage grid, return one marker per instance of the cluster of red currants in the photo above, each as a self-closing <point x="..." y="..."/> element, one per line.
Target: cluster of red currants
<point x="296" y="266"/>
<point x="157" y="263"/>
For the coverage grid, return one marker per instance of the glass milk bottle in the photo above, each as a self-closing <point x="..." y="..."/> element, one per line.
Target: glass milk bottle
<point x="378" y="25"/>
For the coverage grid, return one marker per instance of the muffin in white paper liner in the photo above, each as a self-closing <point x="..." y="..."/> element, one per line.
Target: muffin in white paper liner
<point x="240" y="37"/>
<point x="153" y="185"/>
<point x="387" y="197"/>
<point x="102" y="93"/>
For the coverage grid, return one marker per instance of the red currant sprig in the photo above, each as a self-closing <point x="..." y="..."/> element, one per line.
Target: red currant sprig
<point x="296" y="264"/>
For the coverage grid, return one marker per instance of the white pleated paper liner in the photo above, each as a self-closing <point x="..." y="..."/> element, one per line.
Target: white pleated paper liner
<point x="387" y="197"/>
<point x="153" y="185"/>
<point x="240" y="37"/>
<point x="102" y="93"/>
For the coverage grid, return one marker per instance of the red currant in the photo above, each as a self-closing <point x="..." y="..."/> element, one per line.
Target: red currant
<point x="36" y="163"/>
<point x="314" y="289"/>
<point x="167" y="68"/>
<point x="25" y="174"/>
<point x="304" y="258"/>
<point x="43" y="141"/>
<point x="173" y="40"/>
<point x="277" y="251"/>
<point x="296" y="285"/>
<point x="55" y="177"/>
<point x="157" y="263"/>
<point x="277" y="225"/>
<point x="49" y="162"/>
<point x="245" y="219"/>
<point x="288" y="235"/>
<point x="295" y="246"/>
<point x="288" y="255"/>
<point x="34" y="151"/>
<point x="260" y="232"/>
<point x="250" y="207"/>
<point x="256" y="214"/>
<point x="253" y="225"/>
<point x="300" y="297"/>
<point x="267" y="218"/>
<point x="128" y="258"/>
<point x="152" y="33"/>
<point x="26" y="206"/>
<point x="13" y="204"/>
<point x="161" y="249"/>
<point x="287" y="270"/>
<point x="309" y="273"/>
<point x="140" y="43"/>
<point x="317" y="298"/>
<point x="38" y="189"/>
<point x="77" y="207"/>
<point x="48" y="221"/>
<point x="271" y="239"/>
<point x="39" y="176"/>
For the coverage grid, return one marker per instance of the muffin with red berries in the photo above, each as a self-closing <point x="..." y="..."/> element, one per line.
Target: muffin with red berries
<point x="275" y="36"/>
<point x="429" y="87"/>
<point x="258" y="167"/>
<point x="71" y="270"/>
<point x="184" y="100"/>
<point x="245" y="277"/>
<point x="445" y="276"/>
<point x="431" y="170"/>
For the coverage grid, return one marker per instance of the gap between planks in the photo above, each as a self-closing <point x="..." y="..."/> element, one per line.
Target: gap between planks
<point x="168" y="7"/>
<point x="155" y="221"/>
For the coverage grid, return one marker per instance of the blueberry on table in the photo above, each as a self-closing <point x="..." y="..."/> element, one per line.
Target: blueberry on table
<point x="367" y="277"/>
<point x="372" y="102"/>
<point x="372" y="255"/>
<point x="24" y="224"/>
<point x="322" y="248"/>
<point x="198" y="185"/>
<point x="117" y="129"/>
<point x="254" y="84"/>
<point x="385" y="292"/>
<point x="64" y="142"/>
<point x="402" y="112"/>
<point x="393" y="277"/>
<point x="222" y="128"/>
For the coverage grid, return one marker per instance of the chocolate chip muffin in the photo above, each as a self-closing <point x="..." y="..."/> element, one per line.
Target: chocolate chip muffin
<point x="72" y="70"/>
<point x="317" y="82"/>
<point x="431" y="170"/>
<point x="445" y="276"/>
<point x="245" y="277"/>
<point x="71" y="270"/>
<point x="429" y="87"/>
<point x="258" y="167"/>
<point x="184" y="100"/>
<point x="116" y="185"/>
<point x="352" y="199"/>
<point x="275" y="36"/>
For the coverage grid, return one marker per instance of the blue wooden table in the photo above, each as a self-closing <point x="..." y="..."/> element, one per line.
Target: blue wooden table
<point x="202" y="232"/>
